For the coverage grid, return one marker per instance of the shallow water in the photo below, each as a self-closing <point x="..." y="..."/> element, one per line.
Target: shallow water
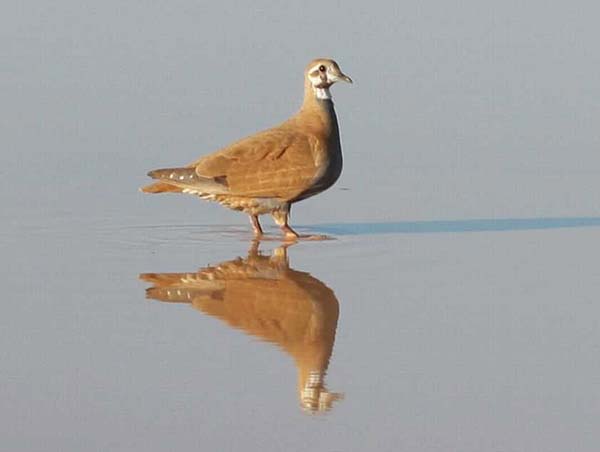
<point x="471" y="334"/>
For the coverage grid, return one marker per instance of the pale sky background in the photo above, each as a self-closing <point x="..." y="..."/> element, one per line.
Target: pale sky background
<point x="446" y="341"/>
<point x="459" y="108"/>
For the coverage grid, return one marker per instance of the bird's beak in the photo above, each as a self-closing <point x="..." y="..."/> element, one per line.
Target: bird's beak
<point x="344" y="78"/>
<point x="339" y="77"/>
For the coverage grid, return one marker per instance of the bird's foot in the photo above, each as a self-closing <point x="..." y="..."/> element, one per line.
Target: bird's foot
<point x="305" y="237"/>
<point x="314" y="237"/>
<point x="289" y="235"/>
<point x="290" y="239"/>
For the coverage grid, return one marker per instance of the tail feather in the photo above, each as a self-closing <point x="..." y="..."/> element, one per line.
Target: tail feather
<point x="169" y="295"/>
<point x="161" y="187"/>
<point x="182" y="287"/>
<point x="185" y="180"/>
<point x="174" y="174"/>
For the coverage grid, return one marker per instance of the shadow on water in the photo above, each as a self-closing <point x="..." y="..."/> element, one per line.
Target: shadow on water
<point x="449" y="226"/>
<point x="264" y="297"/>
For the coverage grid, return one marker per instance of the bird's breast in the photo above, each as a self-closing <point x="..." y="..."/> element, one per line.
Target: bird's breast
<point x="329" y="164"/>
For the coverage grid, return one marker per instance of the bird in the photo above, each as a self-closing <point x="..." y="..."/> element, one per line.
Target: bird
<point x="267" y="172"/>
<point x="264" y="297"/>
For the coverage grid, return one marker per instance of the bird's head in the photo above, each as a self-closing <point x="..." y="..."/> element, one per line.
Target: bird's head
<point x="321" y="74"/>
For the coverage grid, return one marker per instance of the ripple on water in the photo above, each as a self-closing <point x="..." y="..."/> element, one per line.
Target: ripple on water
<point x="143" y="235"/>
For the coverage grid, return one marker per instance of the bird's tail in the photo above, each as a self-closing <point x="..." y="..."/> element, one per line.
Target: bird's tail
<point x="184" y="180"/>
<point x="161" y="187"/>
<point x="174" y="174"/>
<point x="181" y="287"/>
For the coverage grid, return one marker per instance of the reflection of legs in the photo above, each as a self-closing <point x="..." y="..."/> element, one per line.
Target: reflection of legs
<point x="253" y="251"/>
<point x="256" y="225"/>
<point x="281" y="218"/>
<point x="278" y="255"/>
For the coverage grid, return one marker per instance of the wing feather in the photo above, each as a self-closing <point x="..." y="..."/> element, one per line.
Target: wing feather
<point x="275" y="163"/>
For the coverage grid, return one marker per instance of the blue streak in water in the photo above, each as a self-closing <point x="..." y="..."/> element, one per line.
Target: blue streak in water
<point x="447" y="226"/>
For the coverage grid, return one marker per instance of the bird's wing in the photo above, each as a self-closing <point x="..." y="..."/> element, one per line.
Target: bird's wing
<point x="274" y="163"/>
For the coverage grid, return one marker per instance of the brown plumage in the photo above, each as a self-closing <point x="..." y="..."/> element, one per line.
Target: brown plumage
<point x="263" y="297"/>
<point x="269" y="171"/>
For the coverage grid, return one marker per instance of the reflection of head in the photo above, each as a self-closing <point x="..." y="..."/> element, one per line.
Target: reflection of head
<point x="262" y="296"/>
<point x="314" y="397"/>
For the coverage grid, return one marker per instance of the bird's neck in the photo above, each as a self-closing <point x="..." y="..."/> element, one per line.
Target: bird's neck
<point x="313" y="95"/>
<point x="317" y="108"/>
<point x="322" y="93"/>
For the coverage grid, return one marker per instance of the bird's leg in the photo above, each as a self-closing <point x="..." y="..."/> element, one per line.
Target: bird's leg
<point x="258" y="232"/>
<point x="253" y="252"/>
<point x="281" y="218"/>
<point x="289" y="233"/>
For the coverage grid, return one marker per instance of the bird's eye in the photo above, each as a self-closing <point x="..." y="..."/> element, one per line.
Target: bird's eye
<point x="322" y="68"/>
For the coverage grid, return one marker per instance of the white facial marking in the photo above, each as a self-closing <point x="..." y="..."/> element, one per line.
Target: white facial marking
<point x="322" y="93"/>
<point x="315" y="80"/>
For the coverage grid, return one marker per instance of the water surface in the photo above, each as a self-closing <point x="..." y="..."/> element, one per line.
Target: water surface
<point x="427" y="333"/>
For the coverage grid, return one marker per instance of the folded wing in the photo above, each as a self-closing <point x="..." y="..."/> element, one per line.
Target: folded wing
<point x="279" y="163"/>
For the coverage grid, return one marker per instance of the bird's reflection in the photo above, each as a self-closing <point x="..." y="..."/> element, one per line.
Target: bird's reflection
<point x="262" y="296"/>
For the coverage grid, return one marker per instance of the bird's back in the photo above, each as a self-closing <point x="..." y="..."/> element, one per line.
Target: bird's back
<point x="292" y="161"/>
